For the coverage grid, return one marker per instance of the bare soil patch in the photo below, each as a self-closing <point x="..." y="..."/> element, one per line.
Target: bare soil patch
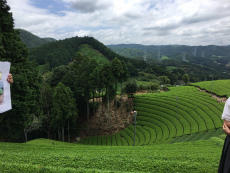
<point x="107" y="122"/>
<point x="218" y="98"/>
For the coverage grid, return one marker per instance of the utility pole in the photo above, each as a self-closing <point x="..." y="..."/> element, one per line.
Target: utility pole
<point x="135" y="122"/>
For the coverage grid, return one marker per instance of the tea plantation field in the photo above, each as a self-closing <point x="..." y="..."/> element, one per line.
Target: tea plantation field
<point x="162" y="117"/>
<point x="46" y="156"/>
<point x="176" y="131"/>
<point x="219" y="87"/>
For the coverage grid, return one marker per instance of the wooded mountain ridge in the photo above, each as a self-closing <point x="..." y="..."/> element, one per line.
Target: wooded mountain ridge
<point x="31" y="40"/>
<point x="216" y="58"/>
<point x="201" y="62"/>
<point x="171" y="51"/>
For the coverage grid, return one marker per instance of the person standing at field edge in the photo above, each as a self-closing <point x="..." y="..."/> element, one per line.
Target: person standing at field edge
<point x="224" y="165"/>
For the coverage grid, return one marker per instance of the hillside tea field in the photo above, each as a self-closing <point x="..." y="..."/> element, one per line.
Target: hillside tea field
<point x="176" y="131"/>
<point x="48" y="156"/>
<point x="163" y="116"/>
<point x="219" y="87"/>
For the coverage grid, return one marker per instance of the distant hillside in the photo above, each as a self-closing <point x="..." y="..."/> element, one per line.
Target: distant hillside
<point x="172" y="51"/>
<point x="210" y="62"/>
<point x="214" y="58"/>
<point x="31" y="40"/>
<point x="62" y="52"/>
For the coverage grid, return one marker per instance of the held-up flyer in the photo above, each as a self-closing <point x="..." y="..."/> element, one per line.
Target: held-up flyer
<point x="5" y="98"/>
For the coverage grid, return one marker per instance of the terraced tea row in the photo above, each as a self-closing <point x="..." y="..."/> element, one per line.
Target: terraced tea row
<point x="164" y="116"/>
<point x="219" y="87"/>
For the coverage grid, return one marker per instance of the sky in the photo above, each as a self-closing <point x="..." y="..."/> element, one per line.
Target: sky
<point x="149" y="22"/>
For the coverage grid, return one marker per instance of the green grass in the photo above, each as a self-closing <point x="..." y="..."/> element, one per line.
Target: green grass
<point x="164" y="57"/>
<point x="219" y="87"/>
<point x="144" y="83"/>
<point x="50" y="156"/>
<point x="92" y="53"/>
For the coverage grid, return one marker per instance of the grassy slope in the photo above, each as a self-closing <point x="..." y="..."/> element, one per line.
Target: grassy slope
<point x="49" y="156"/>
<point x="219" y="87"/>
<point x="93" y="53"/>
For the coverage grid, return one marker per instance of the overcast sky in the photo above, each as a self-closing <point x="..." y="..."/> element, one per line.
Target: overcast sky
<point x="190" y="22"/>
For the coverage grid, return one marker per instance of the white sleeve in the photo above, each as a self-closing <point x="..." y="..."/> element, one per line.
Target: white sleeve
<point x="226" y="111"/>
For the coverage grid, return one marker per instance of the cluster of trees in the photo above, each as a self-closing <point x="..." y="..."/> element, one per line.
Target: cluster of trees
<point x="184" y="77"/>
<point x="53" y="102"/>
<point x="25" y="89"/>
<point x="58" y="111"/>
<point x="81" y="81"/>
<point x="175" y="70"/>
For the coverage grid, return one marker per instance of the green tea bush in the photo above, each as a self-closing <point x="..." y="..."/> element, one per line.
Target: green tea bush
<point x="161" y="117"/>
<point x="49" y="156"/>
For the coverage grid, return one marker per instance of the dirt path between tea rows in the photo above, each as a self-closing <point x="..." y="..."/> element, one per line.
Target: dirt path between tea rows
<point x="220" y="99"/>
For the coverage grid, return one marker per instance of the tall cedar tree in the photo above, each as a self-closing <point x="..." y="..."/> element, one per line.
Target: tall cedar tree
<point x="117" y="71"/>
<point x="46" y="106"/>
<point x="25" y="88"/>
<point x="64" y="109"/>
<point x="107" y="77"/>
<point x="82" y="81"/>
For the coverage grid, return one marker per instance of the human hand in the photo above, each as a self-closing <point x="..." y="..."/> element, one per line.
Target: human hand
<point x="10" y="78"/>
<point x="226" y="129"/>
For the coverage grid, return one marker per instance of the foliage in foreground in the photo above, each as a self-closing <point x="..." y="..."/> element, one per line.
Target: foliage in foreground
<point x="51" y="156"/>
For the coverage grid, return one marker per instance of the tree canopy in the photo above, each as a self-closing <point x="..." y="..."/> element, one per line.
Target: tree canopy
<point x="25" y="88"/>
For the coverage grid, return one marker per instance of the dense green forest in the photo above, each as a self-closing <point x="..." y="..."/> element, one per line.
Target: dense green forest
<point x="31" y="40"/>
<point x="52" y="90"/>
<point x="25" y="89"/>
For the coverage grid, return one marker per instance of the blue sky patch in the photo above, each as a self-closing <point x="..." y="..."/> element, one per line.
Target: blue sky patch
<point x="53" y="6"/>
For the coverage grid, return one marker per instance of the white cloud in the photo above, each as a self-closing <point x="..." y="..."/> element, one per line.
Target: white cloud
<point x="192" y="22"/>
<point x="88" y="6"/>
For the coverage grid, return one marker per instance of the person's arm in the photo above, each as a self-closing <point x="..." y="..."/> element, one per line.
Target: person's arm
<point x="10" y="79"/>
<point x="226" y="129"/>
<point x="227" y="123"/>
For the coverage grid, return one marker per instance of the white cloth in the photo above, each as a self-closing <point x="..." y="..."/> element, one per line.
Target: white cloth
<point x="226" y="112"/>
<point x="5" y="98"/>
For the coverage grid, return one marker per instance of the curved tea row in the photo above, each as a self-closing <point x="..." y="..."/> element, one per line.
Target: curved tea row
<point x="219" y="87"/>
<point x="164" y="116"/>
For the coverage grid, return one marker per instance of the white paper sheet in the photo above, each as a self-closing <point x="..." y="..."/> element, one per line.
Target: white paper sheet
<point x="5" y="98"/>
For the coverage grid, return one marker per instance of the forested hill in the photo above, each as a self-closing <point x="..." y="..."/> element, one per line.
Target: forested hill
<point x="31" y="40"/>
<point x="63" y="51"/>
<point x="160" y="60"/>
<point x="181" y="52"/>
<point x="212" y="57"/>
